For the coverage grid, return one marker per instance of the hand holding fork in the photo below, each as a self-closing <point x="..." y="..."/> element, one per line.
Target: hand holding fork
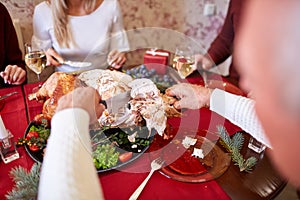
<point x="155" y="165"/>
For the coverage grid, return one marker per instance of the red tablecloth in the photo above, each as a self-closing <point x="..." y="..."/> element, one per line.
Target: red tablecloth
<point x="15" y="120"/>
<point x="34" y="107"/>
<point x="120" y="184"/>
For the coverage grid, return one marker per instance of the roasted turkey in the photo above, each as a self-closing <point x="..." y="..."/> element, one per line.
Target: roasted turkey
<point x="147" y="105"/>
<point x="57" y="85"/>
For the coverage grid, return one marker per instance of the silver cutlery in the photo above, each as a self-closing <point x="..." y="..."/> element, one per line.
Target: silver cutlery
<point x="204" y="76"/>
<point x="76" y="64"/>
<point x="155" y="165"/>
<point x="7" y="95"/>
<point x="115" y="103"/>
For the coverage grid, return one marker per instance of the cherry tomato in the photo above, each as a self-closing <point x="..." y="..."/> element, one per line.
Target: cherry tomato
<point x="34" y="147"/>
<point x="32" y="134"/>
<point x="125" y="156"/>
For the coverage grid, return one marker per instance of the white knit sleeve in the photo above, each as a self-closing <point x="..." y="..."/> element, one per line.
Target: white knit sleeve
<point x="240" y="111"/>
<point x="68" y="171"/>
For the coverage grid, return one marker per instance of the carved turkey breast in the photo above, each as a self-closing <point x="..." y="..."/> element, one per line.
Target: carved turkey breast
<point x="108" y="83"/>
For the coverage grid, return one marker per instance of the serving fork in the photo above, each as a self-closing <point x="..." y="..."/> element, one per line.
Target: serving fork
<point x="155" y="165"/>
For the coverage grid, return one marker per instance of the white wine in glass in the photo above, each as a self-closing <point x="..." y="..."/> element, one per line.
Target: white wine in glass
<point x="35" y="60"/>
<point x="184" y="62"/>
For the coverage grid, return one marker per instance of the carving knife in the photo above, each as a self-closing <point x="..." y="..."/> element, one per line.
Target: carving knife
<point x="115" y="103"/>
<point x="76" y="64"/>
<point x="204" y="76"/>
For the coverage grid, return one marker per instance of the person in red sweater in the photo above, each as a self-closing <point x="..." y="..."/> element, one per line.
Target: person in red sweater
<point x="267" y="50"/>
<point x="222" y="47"/>
<point x="12" y="67"/>
<point x="267" y="56"/>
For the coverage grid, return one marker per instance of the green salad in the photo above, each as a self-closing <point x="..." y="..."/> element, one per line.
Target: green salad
<point x="111" y="146"/>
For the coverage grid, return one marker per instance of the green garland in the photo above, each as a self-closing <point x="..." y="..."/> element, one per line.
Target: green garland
<point x="26" y="183"/>
<point x="233" y="146"/>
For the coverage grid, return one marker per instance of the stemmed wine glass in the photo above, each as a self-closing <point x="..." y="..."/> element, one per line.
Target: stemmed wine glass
<point x="184" y="61"/>
<point x="35" y="59"/>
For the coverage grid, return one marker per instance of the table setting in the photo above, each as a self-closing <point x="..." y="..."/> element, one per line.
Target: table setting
<point x="178" y="156"/>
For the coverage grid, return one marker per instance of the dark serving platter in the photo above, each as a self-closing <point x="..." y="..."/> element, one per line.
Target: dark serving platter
<point x="37" y="156"/>
<point x="109" y="136"/>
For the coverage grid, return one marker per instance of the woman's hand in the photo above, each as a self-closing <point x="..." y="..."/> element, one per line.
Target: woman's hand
<point x="53" y="58"/>
<point x="13" y="75"/>
<point x="116" y="59"/>
<point x="190" y="96"/>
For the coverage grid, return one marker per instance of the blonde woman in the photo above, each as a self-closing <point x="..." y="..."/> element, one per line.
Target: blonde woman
<point x="76" y="30"/>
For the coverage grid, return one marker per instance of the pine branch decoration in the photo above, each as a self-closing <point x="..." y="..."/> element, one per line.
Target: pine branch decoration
<point x="238" y="141"/>
<point x="233" y="146"/>
<point x="26" y="183"/>
<point x="226" y="141"/>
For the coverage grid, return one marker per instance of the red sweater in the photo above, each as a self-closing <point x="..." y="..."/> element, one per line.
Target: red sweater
<point x="10" y="54"/>
<point x="222" y="47"/>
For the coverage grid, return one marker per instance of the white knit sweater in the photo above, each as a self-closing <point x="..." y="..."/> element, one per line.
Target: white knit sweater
<point x="68" y="171"/>
<point x="240" y="111"/>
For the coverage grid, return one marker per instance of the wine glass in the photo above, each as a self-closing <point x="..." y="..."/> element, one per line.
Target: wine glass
<point x="184" y="61"/>
<point x="35" y="60"/>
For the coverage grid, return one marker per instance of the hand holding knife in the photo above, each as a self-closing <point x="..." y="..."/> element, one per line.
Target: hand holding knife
<point x="53" y="58"/>
<point x="77" y="64"/>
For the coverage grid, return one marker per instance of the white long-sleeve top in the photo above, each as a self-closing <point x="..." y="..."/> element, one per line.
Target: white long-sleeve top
<point x="95" y="34"/>
<point x="240" y="111"/>
<point x="68" y="171"/>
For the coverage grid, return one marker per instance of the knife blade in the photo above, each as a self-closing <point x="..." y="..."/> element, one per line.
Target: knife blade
<point x="76" y="64"/>
<point x="115" y="103"/>
<point x="204" y="76"/>
<point x="7" y="95"/>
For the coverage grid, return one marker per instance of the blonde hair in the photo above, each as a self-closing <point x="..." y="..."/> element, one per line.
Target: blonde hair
<point x="62" y="29"/>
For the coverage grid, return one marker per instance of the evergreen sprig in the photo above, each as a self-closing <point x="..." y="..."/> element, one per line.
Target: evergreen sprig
<point x="26" y="183"/>
<point x="233" y="146"/>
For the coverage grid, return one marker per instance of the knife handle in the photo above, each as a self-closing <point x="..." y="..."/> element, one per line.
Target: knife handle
<point x="105" y="104"/>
